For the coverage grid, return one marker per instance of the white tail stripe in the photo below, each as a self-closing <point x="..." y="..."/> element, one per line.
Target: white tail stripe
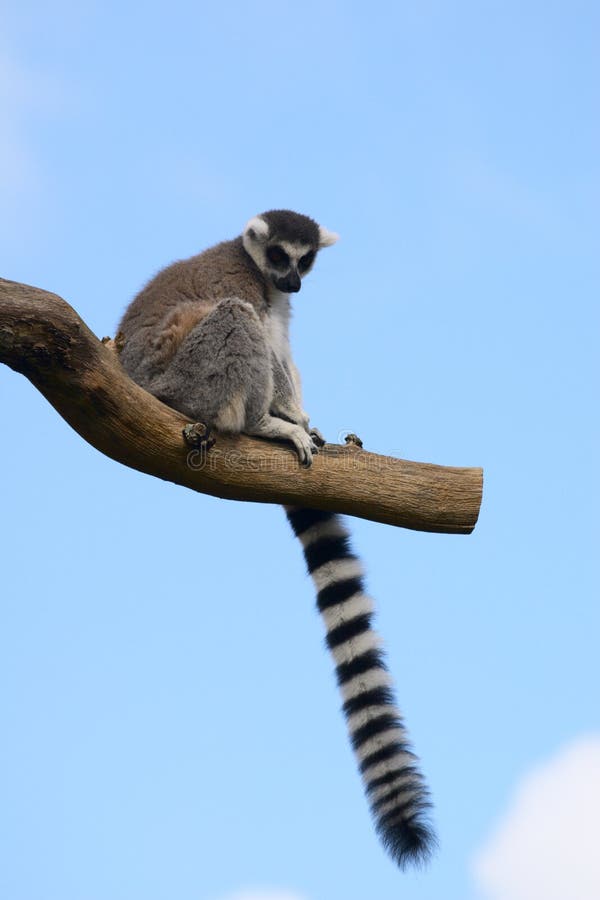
<point x="364" y="716"/>
<point x="336" y="570"/>
<point x="367" y="681"/>
<point x="356" y="605"/>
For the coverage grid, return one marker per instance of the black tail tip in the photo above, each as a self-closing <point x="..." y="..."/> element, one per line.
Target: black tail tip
<point x="409" y="843"/>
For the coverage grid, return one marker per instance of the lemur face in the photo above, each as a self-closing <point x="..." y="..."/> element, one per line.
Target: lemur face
<point x="287" y="264"/>
<point x="284" y="246"/>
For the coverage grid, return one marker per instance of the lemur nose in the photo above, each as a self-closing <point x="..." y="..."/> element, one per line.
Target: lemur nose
<point x="294" y="282"/>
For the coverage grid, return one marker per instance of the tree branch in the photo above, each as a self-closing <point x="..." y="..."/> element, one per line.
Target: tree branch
<point x="43" y="338"/>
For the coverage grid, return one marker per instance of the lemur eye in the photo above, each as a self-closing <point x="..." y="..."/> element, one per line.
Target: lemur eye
<point x="306" y="261"/>
<point x="278" y="257"/>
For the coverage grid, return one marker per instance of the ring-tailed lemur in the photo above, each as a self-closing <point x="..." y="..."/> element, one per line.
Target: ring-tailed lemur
<point x="209" y="337"/>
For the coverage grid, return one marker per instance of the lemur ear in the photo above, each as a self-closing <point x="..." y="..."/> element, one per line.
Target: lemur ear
<point x="327" y="238"/>
<point x="257" y="229"/>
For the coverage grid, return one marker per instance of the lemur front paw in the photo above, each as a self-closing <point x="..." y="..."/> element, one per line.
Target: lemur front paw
<point x="305" y="446"/>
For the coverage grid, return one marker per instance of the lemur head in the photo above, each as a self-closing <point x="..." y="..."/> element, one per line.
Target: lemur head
<point x="284" y="246"/>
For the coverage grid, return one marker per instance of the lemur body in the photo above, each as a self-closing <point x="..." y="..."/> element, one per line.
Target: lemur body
<point x="210" y="337"/>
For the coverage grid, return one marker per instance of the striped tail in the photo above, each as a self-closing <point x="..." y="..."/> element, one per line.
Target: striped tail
<point x="395" y="788"/>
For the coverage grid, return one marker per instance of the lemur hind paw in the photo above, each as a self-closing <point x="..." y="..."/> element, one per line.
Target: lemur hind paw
<point x="317" y="437"/>
<point x="353" y="439"/>
<point x="198" y="435"/>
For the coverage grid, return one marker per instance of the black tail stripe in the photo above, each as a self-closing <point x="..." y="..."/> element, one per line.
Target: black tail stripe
<point x="404" y="791"/>
<point x="371" y="659"/>
<point x="325" y="550"/>
<point x="398" y="772"/>
<point x="402" y="811"/>
<point x="348" y="630"/>
<point x="379" y="696"/>
<point x="394" y="748"/>
<point x="371" y="729"/>
<point x="338" y="592"/>
<point x="303" y="519"/>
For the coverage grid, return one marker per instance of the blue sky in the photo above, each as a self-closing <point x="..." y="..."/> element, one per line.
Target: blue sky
<point x="170" y="722"/>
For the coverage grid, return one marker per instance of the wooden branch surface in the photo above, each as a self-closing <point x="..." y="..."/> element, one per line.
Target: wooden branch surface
<point x="43" y="338"/>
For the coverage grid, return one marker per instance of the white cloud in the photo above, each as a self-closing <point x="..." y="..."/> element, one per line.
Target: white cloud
<point x="547" y="846"/>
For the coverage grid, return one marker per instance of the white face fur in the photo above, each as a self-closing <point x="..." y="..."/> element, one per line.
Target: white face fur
<point x="285" y="263"/>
